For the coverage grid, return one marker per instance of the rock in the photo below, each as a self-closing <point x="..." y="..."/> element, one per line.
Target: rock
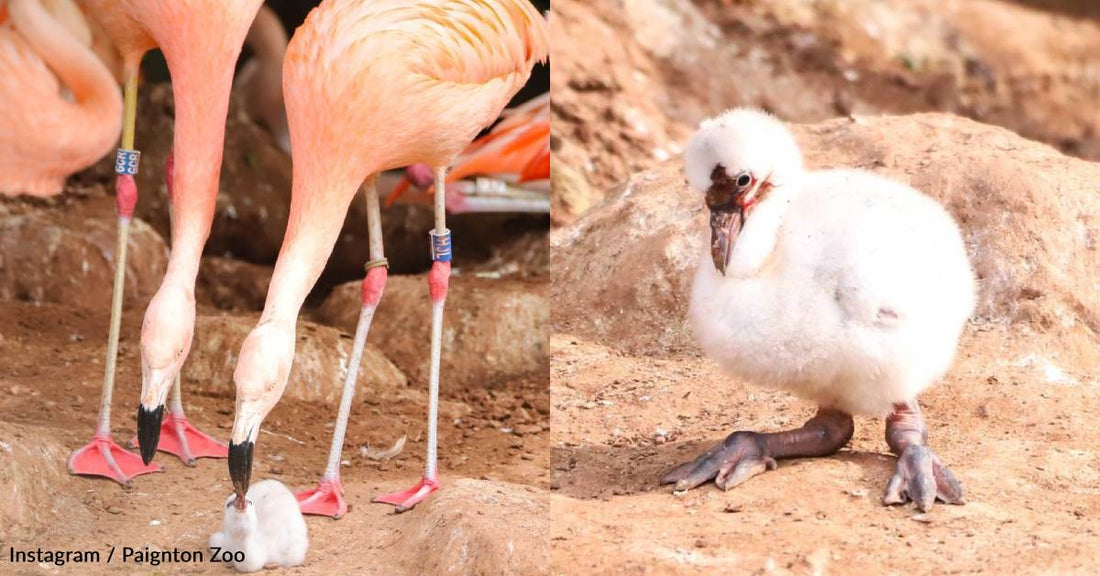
<point x="492" y="329"/>
<point x="32" y="465"/>
<point x="320" y="361"/>
<point x="572" y="195"/>
<point x="229" y="284"/>
<point x="1030" y="218"/>
<point x="476" y="527"/>
<point x="526" y="256"/>
<point x="65" y="253"/>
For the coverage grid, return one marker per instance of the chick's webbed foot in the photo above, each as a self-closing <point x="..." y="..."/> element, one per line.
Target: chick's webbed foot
<point x="922" y="478"/>
<point x="739" y="457"/>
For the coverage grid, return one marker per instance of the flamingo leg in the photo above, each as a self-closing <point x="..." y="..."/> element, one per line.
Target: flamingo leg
<point x="438" y="280"/>
<point x="921" y="477"/>
<point x="102" y="456"/>
<point x="327" y="499"/>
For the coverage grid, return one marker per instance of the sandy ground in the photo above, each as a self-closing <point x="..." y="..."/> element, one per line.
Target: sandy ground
<point x="49" y="394"/>
<point x="1016" y="430"/>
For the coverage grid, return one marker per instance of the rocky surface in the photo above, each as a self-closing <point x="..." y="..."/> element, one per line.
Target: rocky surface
<point x="64" y="251"/>
<point x="320" y="361"/>
<point x="229" y="284"/>
<point x="478" y="527"/>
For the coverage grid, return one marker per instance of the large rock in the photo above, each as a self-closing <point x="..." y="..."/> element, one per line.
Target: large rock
<point x="477" y="527"/>
<point x="32" y="465"/>
<point x="64" y="251"/>
<point x="1030" y="218"/>
<point x="321" y="360"/>
<point x="492" y="329"/>
<point x="229" y="284"/>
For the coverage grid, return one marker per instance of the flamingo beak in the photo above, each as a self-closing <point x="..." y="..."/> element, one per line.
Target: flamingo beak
<point x="155" y="383"/>
<point x="148" y="431"/>
<point x="725" y="225"/>
<point x="246" y="427"/>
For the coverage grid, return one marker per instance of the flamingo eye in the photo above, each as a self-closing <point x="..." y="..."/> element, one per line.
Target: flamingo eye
<point x="744" y="180"/>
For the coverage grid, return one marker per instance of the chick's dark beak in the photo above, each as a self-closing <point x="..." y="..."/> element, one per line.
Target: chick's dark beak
<point x="725" y="225"/>
<point x="148" y="428"/>
<point x="240" y="468"/>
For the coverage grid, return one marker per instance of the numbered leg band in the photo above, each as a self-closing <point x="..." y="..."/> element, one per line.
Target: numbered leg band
<point x="126" y="162"/>
<point x="441" y="246"/>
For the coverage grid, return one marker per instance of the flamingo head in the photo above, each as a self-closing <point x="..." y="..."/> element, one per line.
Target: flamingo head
<point x="735" y="160"/>
<point x="165" y="341"/>
<point x="263" y="369"/>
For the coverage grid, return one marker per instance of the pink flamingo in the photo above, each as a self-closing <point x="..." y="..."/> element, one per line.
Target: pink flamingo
<point x="371" y="86"/>
<point x="201" y="41"/>
<point x="44" y="137"/>
<point x="512" y="163"/>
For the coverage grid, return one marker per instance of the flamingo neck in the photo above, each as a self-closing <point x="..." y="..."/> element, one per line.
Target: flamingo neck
<point x="307" y="245"/>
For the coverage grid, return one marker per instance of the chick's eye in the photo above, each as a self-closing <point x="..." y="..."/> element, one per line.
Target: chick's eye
<point x="744" y="179"/>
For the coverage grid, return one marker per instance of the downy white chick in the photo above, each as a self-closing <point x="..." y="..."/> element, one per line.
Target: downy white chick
<point x="268" y="528"/>
<point x="846" y="288"/>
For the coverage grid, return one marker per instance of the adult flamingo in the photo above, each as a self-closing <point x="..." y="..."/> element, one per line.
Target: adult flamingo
<point x="371" y="86"/>
<point x="43" y="136"/>
<point x="201" y="40"/>
<point x="511" y="163"/>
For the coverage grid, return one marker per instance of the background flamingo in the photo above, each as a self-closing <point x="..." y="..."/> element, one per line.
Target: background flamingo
<point x="371" y="86"/>
<point x="260" y="79"/>
<point x="201" y="41"/>
<point x="45" y="137"/>
<point x="511" y="163"/>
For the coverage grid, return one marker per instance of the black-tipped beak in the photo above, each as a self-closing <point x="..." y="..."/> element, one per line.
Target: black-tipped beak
<point x="240" y="467"/>
<point x="148" y="422"/>
<point x="725" y="225"/>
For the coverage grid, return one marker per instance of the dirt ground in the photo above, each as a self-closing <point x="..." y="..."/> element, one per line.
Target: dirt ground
<point x="1024" y="451"/>
<point x="49" y="395"/>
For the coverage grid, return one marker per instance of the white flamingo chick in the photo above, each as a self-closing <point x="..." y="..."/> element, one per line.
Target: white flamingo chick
<point x="267" y="528"/>
<point x="846" y="288"/>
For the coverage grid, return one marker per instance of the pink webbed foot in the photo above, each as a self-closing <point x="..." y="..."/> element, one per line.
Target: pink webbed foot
<point x="102" y="457"/>
<point x="327" y="499"/>
<point x="410" y="497"/>
<point x="180" y="438"/>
